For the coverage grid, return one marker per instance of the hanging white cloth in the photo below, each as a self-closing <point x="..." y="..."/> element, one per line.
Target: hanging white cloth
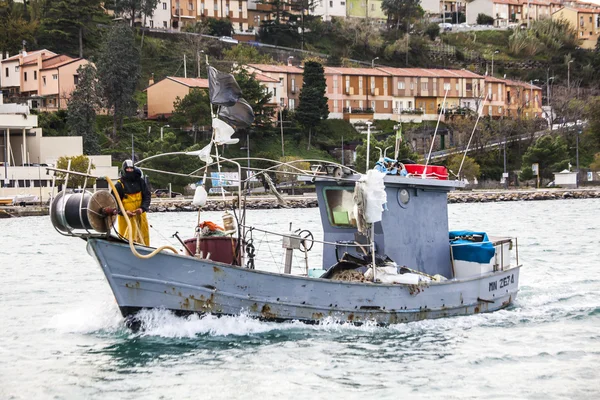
<point x="223" y="132"/>
<point x="369" y="198"/>
<point x="203" y="153"/>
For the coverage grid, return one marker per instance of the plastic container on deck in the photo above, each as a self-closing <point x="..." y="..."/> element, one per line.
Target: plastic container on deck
<point x="221" y="248"/>
<point x="432" y="172"/>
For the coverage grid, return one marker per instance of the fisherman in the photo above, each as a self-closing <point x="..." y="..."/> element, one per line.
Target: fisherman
<point x="135" y="195"/>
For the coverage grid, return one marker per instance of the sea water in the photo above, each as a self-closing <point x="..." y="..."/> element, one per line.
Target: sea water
<point x="62" y="336"/>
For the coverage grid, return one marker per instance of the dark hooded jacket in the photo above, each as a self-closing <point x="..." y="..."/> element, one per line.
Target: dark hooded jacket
<point x="133" y="182"/>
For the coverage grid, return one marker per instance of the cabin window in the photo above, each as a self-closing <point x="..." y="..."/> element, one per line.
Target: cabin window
<point x="340" y="207"/>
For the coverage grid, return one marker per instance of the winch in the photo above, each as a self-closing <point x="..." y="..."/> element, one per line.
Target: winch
<point x="82" y="211"/>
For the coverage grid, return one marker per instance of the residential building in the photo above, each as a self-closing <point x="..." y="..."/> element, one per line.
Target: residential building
<point x="11" y="74"/>
<point x="503" y="11"/>
<point x="585" y="18"/>
<point x="162" y="94"/>
<point x="365" y="9"/>
<point x="358" y="93"/>
<point x="327" y="9"/>
<point x="494" y="98"/>
<point x="418" y="93"/>
<point x="259" y="13"/>
<point x="161" y="18"/>
<point x="275" y="88"/>
<point x="43" y="78"/>
<point x="436" y="7"/>
<point x="407" y="94"/>
<point x="523" y="100"/>
<point x="58" y="78"/>
<point x="27" y="151"/>
<point x="183" y="13"/>
<point x="289" y="78"/>
<point x="235" y="10"/>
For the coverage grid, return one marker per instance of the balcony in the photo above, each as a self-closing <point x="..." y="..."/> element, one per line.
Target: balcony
<point x="357" y="110"/>
<point x="410" y="111"/>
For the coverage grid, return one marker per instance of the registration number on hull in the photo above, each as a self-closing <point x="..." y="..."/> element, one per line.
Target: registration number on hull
<point x="501" y="283"/>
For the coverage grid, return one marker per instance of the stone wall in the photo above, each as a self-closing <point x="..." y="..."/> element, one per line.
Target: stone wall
<point x="453" y="197"/>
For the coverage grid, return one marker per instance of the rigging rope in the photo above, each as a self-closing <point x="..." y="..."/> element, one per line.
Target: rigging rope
<point x="129" y="227"/>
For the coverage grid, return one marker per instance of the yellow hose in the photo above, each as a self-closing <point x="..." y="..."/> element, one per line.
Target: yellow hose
<point x="130" y="230"/>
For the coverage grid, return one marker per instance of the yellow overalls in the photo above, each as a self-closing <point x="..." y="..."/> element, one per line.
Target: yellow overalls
<point x="139" y="223"/>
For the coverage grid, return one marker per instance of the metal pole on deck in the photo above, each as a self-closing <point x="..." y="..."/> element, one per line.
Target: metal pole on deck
<point x="368" y="142"/>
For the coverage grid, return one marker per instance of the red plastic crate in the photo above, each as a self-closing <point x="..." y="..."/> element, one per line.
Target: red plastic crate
<point x="432" y="172"/>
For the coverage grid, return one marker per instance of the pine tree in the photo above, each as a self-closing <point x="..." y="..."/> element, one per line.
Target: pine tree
<point x="14" y="27"/>
<point x="67" y="24"/>
<point x="81" y="111"/>
<point x="313" y="103"/>
<point x="136" y="9"/>
<point x="118" y="73"/>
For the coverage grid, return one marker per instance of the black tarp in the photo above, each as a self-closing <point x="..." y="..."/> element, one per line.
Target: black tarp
<point x="239" y="116"/>
<point x="223" y="90"/>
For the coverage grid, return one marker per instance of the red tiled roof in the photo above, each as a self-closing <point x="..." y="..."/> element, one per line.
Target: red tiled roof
<point x="513" y="2"/>
<point x="264" y="78"/>
<point x="190" y="82"/>
<point x="526" y="85"/>
<point x="431" y="72"/>
<point x="595" y="10"/>
<point x="55" y="59"/>
<point x="60" y="63"/>
<point x="356" y="71"/>
<point x="30" y="55"/>
<point x="277" y="68"/>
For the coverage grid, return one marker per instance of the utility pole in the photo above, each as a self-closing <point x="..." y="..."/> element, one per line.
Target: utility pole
<point x="281" y="125"/>
<point x="569" y="75"/>
<point x="184" y="66"/>
<point x="577" y="157"/>
<point x="6" y="138"/>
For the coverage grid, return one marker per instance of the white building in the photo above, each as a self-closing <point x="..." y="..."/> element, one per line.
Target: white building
<point x="25" y="151"/>
<point x="161" y="18"/>
<point x="327" y="9"/>
<point x="498" y="9"/>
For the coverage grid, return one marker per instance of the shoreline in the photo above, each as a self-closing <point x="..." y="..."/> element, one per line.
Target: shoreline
<point x="270" y="202"/>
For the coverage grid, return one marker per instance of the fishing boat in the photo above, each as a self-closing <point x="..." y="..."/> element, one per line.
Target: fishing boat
<point x="388" y="255"/>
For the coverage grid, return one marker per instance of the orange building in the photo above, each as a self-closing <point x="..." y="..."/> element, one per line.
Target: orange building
<point x="162" y="94"/>
<point x="43" y="78"/>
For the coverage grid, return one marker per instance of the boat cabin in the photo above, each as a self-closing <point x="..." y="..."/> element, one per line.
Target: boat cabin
<point x="414" y="227"/>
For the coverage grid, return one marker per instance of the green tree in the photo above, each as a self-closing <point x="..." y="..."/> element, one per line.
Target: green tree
<point x="401" y="13"/>
<point x="246" y="55"/>
<point x="595" y="165"/>
<point x="484" y="19"/>
<point x="256" y="95"/>
<point x="277" y="8"/>
<point x="192" y="110"/>
<point x="133" y="9"/>
<point x="550" y="153"/>
<point x="81" y="111"/>
<point x="14" y="27"/>
<point x="220" y="27"/>
<point x="432" y="30"/>
<point x="67" y="24"/>
<point x="78" y="164"/>
<point x="313" y="103"/>
<point x="470" y="168"/>
<point x="118" y="73"/>
<point x="404" y="152"/>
